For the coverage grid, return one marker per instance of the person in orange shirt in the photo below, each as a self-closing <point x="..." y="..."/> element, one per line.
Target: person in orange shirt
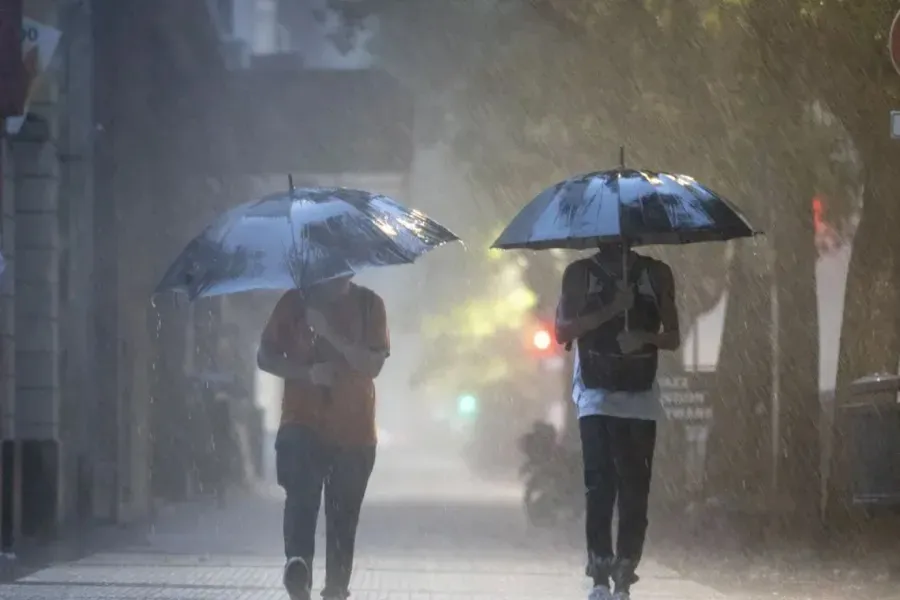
<point x="328" y="344"/>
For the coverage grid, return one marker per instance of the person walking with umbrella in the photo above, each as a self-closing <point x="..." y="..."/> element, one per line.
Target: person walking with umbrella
<point x="617" y="398"/>
<point x="328" y="345"/>
<point x="617" y="310"/>
<point x="326" y="337"/>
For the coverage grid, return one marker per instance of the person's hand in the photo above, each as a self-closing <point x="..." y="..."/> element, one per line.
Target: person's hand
<point x="322" y="374"/>
<point x="624" y="298"/>
<point x="630" y="341"/>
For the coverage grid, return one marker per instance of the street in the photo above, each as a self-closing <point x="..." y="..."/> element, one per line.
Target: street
<point x="429" y="531"/>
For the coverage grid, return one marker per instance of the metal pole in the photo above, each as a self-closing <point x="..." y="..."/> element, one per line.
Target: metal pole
<point x="8" y="436"/>
<point x="775" y="317"/>
<point x="695" y="343"/>
<point x="625" y="250"/>
<point x="4" y="398"/>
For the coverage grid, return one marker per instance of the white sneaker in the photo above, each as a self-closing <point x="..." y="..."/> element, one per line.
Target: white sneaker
<point x="297" y="579"/>
<point x="600" y="592"/>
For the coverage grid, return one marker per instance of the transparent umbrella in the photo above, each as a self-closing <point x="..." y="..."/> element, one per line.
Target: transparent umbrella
<point x="299" y="238"/>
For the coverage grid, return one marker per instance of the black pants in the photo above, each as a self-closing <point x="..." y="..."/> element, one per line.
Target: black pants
<point x="618" y="463"/>
<point x="304" y="465"/>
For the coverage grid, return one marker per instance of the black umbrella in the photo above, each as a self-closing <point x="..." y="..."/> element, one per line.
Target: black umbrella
<point x="632" y="207"/>
<point x="627" y="206"/>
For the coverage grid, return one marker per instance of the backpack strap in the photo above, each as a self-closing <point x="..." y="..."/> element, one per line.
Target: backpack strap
<point x="640" y="265"/>
<point x="602" y="273"/>
<point x="647" y="264"/>
<point x="597" y="270"/>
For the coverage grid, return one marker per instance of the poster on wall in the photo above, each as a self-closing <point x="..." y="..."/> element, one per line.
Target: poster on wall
<point x="39" y="43"/>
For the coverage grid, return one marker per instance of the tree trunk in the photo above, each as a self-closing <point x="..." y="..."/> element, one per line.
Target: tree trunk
<point x="737" y="464"/>
<point x="870" y="332"/>
<point x="796" y="385"/>
<point x="788" y="182"/>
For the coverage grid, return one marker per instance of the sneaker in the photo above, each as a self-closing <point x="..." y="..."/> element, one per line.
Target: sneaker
<point x="600" y="592"/>
<point x="332" y="594"/>
<point x="297" y="578"/>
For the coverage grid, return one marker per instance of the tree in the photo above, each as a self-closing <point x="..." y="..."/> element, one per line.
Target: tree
<point x="624" y="72"/>
<point x="856" y="81"/>
<point x="722" y="89"/>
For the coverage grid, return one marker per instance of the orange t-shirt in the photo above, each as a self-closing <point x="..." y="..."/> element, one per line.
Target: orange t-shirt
<point x="345" y="415"/>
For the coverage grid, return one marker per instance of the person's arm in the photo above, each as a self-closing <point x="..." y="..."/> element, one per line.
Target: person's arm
<point x="367" y="356"/>
<point x="277" y="363"/>
<point x="571" y="320"/>
<point x="272" y="356"/>
<point x="669" y="338"/>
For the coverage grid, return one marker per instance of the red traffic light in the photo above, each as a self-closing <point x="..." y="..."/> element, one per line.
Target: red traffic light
<point x="542" y="340"/>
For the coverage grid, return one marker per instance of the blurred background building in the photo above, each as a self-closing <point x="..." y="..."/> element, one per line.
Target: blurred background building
<point x="149" y="119"/>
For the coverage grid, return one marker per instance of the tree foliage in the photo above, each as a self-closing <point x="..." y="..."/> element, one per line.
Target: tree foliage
<point x="772" y="102"/>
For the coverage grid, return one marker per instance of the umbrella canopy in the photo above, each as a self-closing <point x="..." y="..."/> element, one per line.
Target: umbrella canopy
<point x="299" y="238"/>
<point x="633" y="207"/>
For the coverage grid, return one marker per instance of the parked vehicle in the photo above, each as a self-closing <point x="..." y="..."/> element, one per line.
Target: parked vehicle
<point x="554" y="489"/>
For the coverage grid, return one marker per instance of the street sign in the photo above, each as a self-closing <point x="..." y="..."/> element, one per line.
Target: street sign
<point x="39" y="42"/>
<point x="894" y="42"/>
<point x="895" y="124"/>
<point x="686" y="400"/>
<point x="683" y="401"/>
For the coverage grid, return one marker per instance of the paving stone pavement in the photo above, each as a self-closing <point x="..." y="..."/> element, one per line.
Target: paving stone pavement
<point x="425" y="535"/>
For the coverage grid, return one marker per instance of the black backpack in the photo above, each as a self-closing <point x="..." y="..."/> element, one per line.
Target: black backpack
<point x="603" y="365"/>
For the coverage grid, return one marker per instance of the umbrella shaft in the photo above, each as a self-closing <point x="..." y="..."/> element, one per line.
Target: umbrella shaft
<point x="625" y="251"/>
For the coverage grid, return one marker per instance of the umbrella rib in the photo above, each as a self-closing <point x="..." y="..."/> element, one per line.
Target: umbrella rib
<point x="619" y="207"/>
<point x="603" y="193"/>
<point x="699" y="203"/>
<point x="383" y="234"/>
<point x="295" y="249"/>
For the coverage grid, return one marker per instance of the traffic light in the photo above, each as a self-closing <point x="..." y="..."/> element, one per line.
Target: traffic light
<point x="542" y="340"/>
<point x="467" y="405"/>
<point x="539" y="339"/>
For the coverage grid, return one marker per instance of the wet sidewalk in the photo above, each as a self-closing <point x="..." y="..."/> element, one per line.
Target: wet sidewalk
<point x="426" y="534"/>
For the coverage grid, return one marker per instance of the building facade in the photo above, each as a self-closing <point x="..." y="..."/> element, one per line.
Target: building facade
<point x="81" y="182"/>
<point x="145" y="123"/>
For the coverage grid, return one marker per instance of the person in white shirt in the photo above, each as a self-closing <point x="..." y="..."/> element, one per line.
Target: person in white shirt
<point x="617" y="398"/>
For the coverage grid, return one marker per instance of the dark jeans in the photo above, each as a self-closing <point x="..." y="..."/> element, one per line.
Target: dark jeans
<point x="618" y="463"/>
<point x="304" y="465"/>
